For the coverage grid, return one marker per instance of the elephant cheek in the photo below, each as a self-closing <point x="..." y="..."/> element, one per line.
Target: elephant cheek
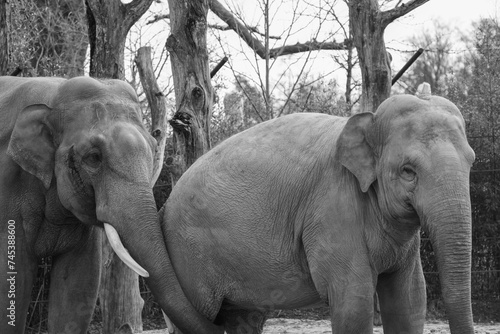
<point x="77" y="202"/>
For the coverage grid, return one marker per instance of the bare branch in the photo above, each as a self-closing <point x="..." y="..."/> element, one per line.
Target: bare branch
<point x="256" y="45"/>
<point x="308" y="46"/>
<point x="389" y="16"/>
<point x="238" y="27"/>
<point x="157" y="18"/>
<point x="251" y="29"/>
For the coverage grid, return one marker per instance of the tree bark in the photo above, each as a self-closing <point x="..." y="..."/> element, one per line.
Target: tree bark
<point x="4" y="36"/>
<point x="368" y="38"/>
<point x="109" y="22"/>
<point x="157" y="104"/>
<point x="193" y="90"/>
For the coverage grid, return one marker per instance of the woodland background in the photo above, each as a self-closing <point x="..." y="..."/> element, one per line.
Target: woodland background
<point x="50" y="38"/>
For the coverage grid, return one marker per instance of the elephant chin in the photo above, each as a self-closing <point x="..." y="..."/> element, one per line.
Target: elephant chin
<point x="122" y="252"/>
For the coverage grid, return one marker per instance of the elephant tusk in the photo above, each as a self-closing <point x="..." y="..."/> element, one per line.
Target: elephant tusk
<point x="122" y="252"/>
<point x="170" y="326"/>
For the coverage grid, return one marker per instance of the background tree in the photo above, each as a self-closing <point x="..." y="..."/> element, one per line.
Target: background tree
<point x="320" y="96"/>
<point x="50" y="37"/>
<point x="187" y="46"/>
<point x="367" y="22"/>
<point x="272" y="42"/>
<point x="480" y="104"/>
<point x="437" y="64"/>
<point x="4" y="36"/>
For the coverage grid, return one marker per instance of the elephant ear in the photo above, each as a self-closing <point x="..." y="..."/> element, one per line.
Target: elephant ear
<point x="31" y="145"/>
<point x="355" y="153"/>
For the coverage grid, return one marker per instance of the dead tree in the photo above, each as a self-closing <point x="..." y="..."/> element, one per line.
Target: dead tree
<point x="367" y="24"/>
<point x="187" y="45"/>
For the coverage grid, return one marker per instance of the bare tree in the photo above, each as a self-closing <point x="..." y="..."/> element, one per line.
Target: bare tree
<point x="49" y="38"/>
<point x="187" y="45"/>
<point x="271" y="46"/>
<point x="437" y="64"/>
<point x="367" y="24"/>
<point x="109" y="23"/>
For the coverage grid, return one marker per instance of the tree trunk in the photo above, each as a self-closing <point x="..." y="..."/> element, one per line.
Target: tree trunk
<point x="193" y="90"/>
<point x="4" y="36"/>
<point x="367" y="25"/>
<point x="157" y="104"/>
<point x="109" y="22"/>
<point x="367" y="29"/>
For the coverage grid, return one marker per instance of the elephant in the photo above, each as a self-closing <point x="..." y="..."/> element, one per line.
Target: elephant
<point x="75" y="160"/>
<point x="311" y="209"/>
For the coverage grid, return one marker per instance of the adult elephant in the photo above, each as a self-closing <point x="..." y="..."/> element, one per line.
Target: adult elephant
<point x="75" y="157"/>
<point x="310" y="209"/>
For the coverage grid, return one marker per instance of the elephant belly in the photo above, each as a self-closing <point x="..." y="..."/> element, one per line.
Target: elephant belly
<point x="285" y="290"/>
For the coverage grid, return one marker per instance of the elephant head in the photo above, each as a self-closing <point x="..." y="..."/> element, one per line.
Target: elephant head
<point x="90" y="146"/>
<point x="414" y="156"/>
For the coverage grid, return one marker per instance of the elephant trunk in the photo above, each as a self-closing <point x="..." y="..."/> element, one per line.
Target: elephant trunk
<point x="448" y="222"/>
<point x="132" y="212"/>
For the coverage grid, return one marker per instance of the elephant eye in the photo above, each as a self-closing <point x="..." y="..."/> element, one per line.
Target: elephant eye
<point x="408" y="173"/>
<point x="92" y="159"/>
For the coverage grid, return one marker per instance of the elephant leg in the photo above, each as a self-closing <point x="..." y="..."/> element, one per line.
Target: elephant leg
<point x="403" y="300"/>
<point x="18" y="271"/>
<point x="74" y="284"/>
<point x="351" y="308"/>
<point x="240" y="321"/>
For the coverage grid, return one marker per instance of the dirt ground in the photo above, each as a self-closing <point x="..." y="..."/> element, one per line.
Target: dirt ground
<point x="302" y="326"/>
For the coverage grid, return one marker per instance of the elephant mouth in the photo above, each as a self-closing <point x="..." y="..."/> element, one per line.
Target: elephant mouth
<point x="121" y="251"/>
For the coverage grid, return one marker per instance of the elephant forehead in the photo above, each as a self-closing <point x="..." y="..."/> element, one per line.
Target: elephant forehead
<point x="427" y="126"/>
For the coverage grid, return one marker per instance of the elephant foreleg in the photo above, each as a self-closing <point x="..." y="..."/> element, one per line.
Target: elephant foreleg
<point x="403" y="300"/>
<point x="74" y="284"/>
<point x="351" y="308"/>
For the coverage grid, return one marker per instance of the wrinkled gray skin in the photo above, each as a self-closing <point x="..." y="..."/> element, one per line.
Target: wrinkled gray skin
<point x="311" y="209"/>
<point x="74" y="155"/>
